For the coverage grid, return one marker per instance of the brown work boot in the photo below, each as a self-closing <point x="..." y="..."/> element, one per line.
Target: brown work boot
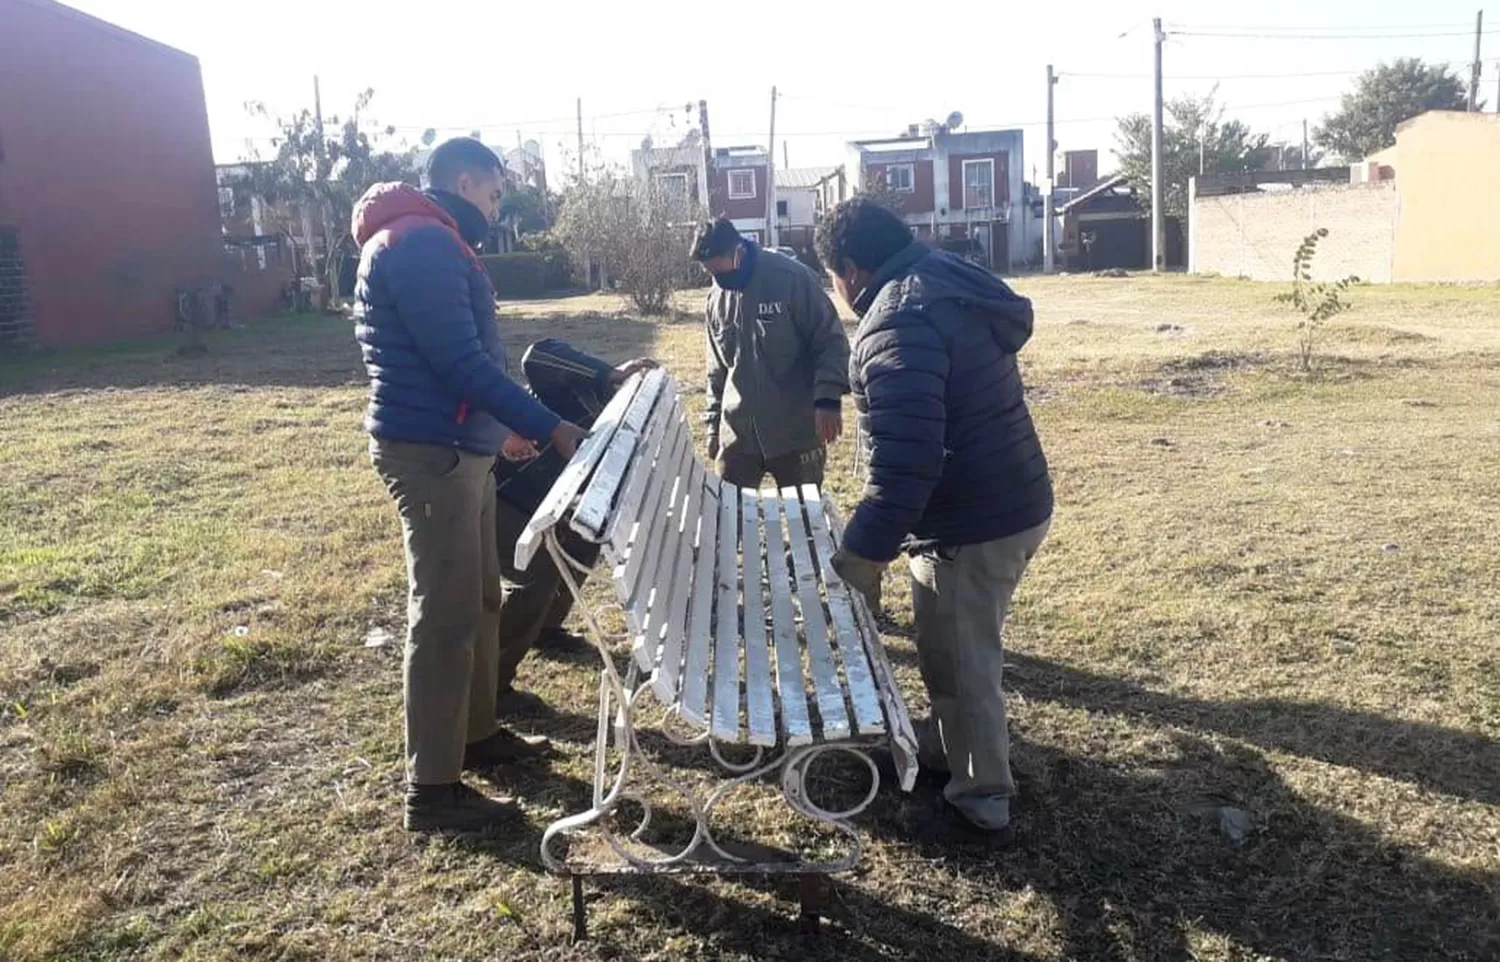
<point x="504" y="747"/>
<point x="454" y="807"/>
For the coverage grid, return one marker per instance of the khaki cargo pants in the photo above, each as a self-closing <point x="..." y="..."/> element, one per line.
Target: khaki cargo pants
<point x="960" y="596"/>
<point x="446" y="499"/>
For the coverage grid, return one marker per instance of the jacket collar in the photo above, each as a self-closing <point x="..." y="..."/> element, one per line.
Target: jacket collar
<point x="897" y="265"/>
<point x="472" y="226"/>
<point x="739" y="278"/>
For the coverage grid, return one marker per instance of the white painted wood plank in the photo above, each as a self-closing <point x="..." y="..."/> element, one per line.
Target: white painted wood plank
<point x="700" y="612"/>
<point x="621" y="526"/>
<point x="903" y="735"/>
<point x="828" y="691"/>
<point x="648" y="606"/>
<point x="560" y="497"/>
<point x="726" y="720"/>
<point x="760" y="701"/>
<point x="632" y="577"/>
<point x="868" y="717"/>
<point x="593" y="506"/>
<point x="794" y="715"/>
<point x="592" y="514"/>
<point x="674" y="621"/>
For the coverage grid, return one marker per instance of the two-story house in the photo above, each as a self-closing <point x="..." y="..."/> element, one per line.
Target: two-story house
<point x="961" y="191"/>
<point x="727" y="182"/>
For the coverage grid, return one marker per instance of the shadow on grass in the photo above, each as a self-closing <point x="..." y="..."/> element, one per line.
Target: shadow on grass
<point x="1132" y="860"/>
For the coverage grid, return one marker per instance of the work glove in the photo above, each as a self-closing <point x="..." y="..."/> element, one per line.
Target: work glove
<point x="861" y="574"/>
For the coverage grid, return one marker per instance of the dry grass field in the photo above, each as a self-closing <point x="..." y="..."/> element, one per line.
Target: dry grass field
<point x="1265" y="590"/>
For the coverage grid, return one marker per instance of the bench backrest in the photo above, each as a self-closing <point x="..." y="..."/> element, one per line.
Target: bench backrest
<point x="728" y="592"/>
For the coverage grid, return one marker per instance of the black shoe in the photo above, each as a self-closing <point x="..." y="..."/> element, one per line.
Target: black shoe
<point x="563" y="642"/>
<point x="454" y="807"/>
<point x="504" y="748"/>
<point x="885" y="763"/>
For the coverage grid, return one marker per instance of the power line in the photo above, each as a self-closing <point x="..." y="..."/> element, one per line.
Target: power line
<point x="1300" y="28"/>
<point x="1209" y="34"/>
<point x="1260" y="76"/>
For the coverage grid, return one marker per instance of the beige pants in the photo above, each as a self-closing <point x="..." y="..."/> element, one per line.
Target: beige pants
<point x="446" y="499"/>
<point x="961" y="596"/>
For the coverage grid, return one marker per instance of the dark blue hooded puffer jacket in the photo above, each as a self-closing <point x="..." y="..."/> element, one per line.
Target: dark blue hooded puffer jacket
<point x="953" y="456"/>
<point x="425" y="322"/>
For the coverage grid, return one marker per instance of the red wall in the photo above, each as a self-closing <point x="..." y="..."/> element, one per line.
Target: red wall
<point x="919" y="201"/>
<point x="956" y="178"/>
<point x="722" y="206"/>
<point x="107" y="171"/>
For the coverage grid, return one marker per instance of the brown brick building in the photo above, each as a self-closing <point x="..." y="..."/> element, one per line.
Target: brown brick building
<point x="107" y="197"/>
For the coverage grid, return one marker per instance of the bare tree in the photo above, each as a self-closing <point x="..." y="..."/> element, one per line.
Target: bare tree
<point x="635" y="230"/>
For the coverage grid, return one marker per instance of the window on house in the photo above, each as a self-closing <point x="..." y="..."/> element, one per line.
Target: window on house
<point x="979" y="183"/>
<point x="781" y="208"/>
<point x="901" y="178"/>
<point x="674" y="190"/>
<point x="742" y="184"/>
<point x="226" y="202"/>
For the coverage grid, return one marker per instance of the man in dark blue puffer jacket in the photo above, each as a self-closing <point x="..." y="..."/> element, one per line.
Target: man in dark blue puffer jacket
<point x="956" y="476"/>
<point x="441" y="408"/>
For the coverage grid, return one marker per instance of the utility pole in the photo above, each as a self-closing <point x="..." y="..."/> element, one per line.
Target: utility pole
<point x="1303" y="165"/>
<point x="771" y="232"/>
<point x="1474" y="77"/>
<point x="322" y="189"/>
<point x="1158" y="221"/>
<point x="580" y="140"/>
<point x="1049" y="243"/>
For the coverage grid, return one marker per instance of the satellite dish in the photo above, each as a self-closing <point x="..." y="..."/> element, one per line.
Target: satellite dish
<point x="955" y="120"/>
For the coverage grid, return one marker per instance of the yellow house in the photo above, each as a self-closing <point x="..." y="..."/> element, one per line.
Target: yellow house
<point x="1447" y="168"/>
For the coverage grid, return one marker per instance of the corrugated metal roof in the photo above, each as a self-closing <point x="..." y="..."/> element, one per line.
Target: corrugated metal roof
<point x="795" y="177"/>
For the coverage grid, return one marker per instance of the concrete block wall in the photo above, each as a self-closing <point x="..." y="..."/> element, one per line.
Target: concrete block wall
<point x="16" y="326"/>
<point x="1256" y="235"/>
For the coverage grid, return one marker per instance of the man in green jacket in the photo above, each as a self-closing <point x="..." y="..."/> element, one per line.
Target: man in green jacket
<point x="778" y="362"/>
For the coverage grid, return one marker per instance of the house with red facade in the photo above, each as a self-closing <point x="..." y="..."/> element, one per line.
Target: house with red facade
<point x="108" y="202"/>
<point x="730" y="182"/>
<point x="958" y="190"/>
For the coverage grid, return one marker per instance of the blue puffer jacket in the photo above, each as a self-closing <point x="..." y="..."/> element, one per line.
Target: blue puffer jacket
<point x="425" y="321"/>
<point x="954" y="458"/>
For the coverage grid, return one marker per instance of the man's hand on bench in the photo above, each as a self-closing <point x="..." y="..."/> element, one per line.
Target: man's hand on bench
<point x="622" y="373"/>
<point x="566" y="437"/>
<point x="861" y="574"/>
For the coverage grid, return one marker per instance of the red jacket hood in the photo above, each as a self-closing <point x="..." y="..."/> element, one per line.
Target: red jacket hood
<point x="384" y="204"/>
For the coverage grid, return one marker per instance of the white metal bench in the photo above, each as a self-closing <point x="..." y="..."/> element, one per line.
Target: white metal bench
<point x="738" y="626"/>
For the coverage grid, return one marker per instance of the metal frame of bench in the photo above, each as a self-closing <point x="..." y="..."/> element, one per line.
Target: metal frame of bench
<point x="686" y="549"/>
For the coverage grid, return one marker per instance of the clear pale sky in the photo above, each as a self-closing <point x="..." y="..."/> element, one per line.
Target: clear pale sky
<point x="844" y="71"/>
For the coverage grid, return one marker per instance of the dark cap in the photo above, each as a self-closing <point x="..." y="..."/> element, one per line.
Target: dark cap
<point x="714" y="239"/>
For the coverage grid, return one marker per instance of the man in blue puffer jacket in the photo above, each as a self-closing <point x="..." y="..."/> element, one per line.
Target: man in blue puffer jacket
<point x="441" y="408"/>
<point x="956" y="476"/>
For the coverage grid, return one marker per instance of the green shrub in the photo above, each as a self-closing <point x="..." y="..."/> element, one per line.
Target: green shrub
<point x="517" y="276"/>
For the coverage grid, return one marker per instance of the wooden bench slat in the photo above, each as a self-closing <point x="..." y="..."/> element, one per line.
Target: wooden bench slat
<point x="700" y="613"/>
<point x="649" y="600"/>
<point x="592" y="513"/>
<point x="673" y="619"/>
<point x="726" y="717"/>
<point x="828" y="691"/>
<point x="760" y="702"/>
<point x="560" y="496"/>
<point x="621" y="526"/>
<point x="633" y="577"/>
<point x="795" y="722"/>
<point x="902" y="734"/>
<point x="868" y="717"/>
